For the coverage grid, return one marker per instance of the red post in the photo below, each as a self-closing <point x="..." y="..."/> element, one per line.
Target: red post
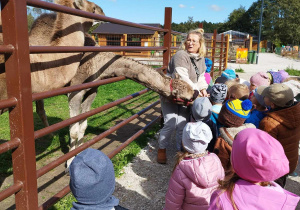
<point x="200" y="25"/>
<point x="17" y="65"/>
<point x="167" y="36"/>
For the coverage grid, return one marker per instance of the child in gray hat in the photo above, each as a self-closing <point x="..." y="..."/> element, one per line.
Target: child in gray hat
<point x="197" y="171"/>
<point x="201" y="112"/>
<point x="92" y="181"/>
<point x="217" y="96"/>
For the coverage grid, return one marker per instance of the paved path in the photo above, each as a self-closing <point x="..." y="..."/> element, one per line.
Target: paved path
<point x="266" y="61"/>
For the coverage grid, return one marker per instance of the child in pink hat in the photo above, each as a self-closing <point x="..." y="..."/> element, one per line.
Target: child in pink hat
<point x="259" y="79"/>
<point x="257" y="160"/>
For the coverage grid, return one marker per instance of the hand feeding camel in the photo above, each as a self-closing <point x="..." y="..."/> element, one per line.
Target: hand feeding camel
<point x="100" y="65"/>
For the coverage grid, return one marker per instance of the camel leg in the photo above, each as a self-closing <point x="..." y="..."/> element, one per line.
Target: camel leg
<point x="75" y="99"/>
<point x="40" y="110"/>
<point x="85" y="107"/>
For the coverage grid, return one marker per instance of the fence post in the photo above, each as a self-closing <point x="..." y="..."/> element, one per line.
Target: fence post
<point x="213" y="53"/>
<point x="167" y="36"/>
<point x="17" y="65"/>
<point x="221" y="55"/>
<point x="227" y="50"/>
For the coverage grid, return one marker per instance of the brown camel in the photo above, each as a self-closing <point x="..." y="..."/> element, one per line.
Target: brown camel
<point x="52" y="71"/>
<point x="100" y="65"/>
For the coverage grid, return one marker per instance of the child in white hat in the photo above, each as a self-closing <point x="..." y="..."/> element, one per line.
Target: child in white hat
<point x="197" y="171"/>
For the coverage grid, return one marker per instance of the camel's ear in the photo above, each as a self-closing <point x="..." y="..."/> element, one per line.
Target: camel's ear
<point x="79" y="4"/>
<point x="176" y="76"/>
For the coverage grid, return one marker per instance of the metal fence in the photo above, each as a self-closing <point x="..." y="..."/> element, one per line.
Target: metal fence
<point x="17" y="69"/>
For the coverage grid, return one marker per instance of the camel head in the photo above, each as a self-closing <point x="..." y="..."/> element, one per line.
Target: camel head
<point x="89" y="7"/>
<point x="181" y="90"/>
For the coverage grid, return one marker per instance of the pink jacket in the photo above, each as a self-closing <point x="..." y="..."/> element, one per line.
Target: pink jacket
<point x="250" y="196"/>
<point x="192" y="183"/>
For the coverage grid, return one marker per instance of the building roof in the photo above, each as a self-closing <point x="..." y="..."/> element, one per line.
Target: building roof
<point x="112" y="28"/>
<point x="210" y="35"/>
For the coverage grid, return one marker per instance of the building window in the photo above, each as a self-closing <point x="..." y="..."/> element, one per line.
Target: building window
<point x="113" y="40"/>
<point x="133" y="41"/>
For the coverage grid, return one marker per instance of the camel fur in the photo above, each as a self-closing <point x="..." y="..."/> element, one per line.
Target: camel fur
<point x="52" y="71"/>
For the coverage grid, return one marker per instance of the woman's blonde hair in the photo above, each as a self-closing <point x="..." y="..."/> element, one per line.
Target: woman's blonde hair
<point x="200" y="33"/>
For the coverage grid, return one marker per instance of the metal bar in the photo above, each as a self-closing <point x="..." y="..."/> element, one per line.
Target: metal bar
<point x="6" y="103"/>
<point x="227" y="49"/>
<point x="221" y="54"/>
<point x="213" y="54"/>
<point x="65" y="123"/>
<point x="4" y="147"/>
<point x="60" y="91"/>
<point x="7" y="48"/>
<point x="17" y="65"/>
<point x="132" y="138"/>
<point x="66" y="49"/>
<point x="55" y="198"/>
<point x="167" y="36"/>
<point x="72" y="153"/>
<point x="11" y="190"/>
<point x="68" y="10"/>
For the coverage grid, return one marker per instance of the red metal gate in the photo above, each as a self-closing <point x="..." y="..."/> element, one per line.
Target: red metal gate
<point x="17" y="64"/>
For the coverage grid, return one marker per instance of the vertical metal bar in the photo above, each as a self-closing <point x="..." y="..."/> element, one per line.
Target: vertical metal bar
<point x="221" y="55"/>
<point x="167" y="36"/>
<point x="259" y="33"/>
<point x="213" y="53"/>
<point x="17" y="65"/>
<point x="227" y="50"/>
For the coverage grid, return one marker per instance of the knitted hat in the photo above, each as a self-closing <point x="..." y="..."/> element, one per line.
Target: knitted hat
<point x="92" y="178"/>
<point x="201" y="109"/>
<point x="207" y="78"/>
<point x="221" y="80"/>
<point x="258" y="157"/>
<point x="229" y="74"/>
<point x="234" y="113"/>
<point x="284" y="75"/>
<point x="208" y="64"/>
<point x="260" y="79"/>
<point x="276" y="76"/>
<point x="196" y="137"/>
<point x="259" y="98"/>
<point x="279" y="94"/>
<point x="218" y="93"/>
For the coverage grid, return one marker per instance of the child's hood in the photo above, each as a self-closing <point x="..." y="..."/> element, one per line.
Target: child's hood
<point x="289" y="117"/>
<point x="228" y="134"/>
<point x="204" y="171"/>
<point x="259" y="197"/>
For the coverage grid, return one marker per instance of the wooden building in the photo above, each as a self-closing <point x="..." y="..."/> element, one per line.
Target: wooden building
<point x="111" y="34"/>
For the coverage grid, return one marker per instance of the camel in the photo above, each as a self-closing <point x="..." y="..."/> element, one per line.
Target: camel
<point x="52" y="71"/>
<point x="101" y="65"/>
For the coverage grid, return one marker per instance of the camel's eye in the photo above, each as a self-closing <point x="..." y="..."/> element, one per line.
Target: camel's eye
<point x="94" y="9"/>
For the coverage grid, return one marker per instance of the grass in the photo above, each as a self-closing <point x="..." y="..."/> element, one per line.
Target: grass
<point x="292" y="72"/>
<point x="57" y="110"/>
<point x="240" y="70"/>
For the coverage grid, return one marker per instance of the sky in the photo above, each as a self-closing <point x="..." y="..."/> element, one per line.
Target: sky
<point x="152" y="11"/>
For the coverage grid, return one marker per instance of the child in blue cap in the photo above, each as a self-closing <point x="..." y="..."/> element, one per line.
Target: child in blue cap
<point x="92" y="181"/>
